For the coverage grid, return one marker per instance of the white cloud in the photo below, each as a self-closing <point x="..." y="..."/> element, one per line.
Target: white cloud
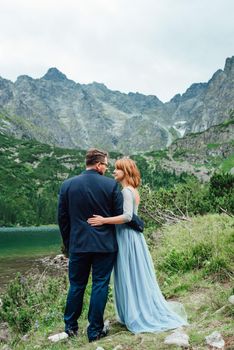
<point x="154" y="47"/>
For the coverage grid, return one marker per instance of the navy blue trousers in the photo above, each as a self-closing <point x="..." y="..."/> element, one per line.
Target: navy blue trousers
<point x="80" y="265"/>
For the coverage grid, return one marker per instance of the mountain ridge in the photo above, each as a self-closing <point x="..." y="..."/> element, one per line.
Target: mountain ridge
<point x="56" y="110"/>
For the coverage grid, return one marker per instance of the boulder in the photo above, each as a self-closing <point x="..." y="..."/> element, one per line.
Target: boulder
<point x="57" y="337"/>
<point x="215" y="340"/>
<point x="177" y="337"/>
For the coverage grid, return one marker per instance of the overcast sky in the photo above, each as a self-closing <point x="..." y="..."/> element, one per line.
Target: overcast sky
<point x="157" y="47"/>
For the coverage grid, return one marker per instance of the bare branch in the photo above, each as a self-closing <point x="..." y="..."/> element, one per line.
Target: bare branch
<point x="226" y="212"/>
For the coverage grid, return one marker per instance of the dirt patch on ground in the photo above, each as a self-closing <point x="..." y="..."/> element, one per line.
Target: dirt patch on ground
<point x="196" y="298"/>
<point x="229" y="343"/>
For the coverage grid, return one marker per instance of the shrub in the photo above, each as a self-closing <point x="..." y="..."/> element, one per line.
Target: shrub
<point x="189" y="198"/>
<point x="221" y="192"/>
<point x="221" y="184"/>
<point x="177" y="261"/>
<point x="33" y="300"/>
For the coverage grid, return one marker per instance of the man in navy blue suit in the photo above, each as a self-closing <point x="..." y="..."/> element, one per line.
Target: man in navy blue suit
<point x="90" y="247"/>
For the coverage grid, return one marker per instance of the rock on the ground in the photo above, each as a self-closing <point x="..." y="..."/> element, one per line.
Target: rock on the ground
<point x="6" y="347"/>
<point x="57" y="337"/>
<point x="231" y="299"/>
<point x="215" y="340"/>
<point x="4" y="332"/>
<point x="59" y="261"/>
<point x="106" y="327"/>
<point x="25" y="337"/>
<point x="118" y="347"/>
<point x="59" y="258"/>
<point x="100" y="348"/>
<point x="177" y="337"/>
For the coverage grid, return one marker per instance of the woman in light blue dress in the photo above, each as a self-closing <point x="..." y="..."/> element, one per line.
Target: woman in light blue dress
<point x="140" y="304"/>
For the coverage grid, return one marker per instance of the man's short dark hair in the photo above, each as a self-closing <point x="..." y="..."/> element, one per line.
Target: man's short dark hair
<point x="94" y="156"/>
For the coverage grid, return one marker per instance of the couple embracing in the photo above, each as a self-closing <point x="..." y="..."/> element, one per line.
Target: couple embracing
<point x="93" y="216"/>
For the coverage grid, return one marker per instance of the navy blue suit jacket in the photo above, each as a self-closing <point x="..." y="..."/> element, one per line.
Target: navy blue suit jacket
<point x="80" y="197"/>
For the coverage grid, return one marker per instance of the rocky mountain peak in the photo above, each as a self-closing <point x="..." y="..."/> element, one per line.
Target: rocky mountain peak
<point x="4" y="81"/>
<point x="229" y="65"/>
<point x="99" y="85"/>
<point x="194" y="90"/>
<point x="23" y="78"/>
<point x="54" y="74"/>
<point x="176" y="98"/>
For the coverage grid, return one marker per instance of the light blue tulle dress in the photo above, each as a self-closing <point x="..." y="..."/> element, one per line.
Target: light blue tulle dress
<point x="140" y="304"/>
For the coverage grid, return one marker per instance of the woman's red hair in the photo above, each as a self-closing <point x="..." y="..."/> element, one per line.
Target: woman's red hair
<point x="131" y="172"/>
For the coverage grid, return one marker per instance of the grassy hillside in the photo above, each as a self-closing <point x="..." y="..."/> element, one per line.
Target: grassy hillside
<point x="31" y="174"/>
<point x="197" y="154"/>
<point x="194" y="264"/>
<point x="212" y="148"/>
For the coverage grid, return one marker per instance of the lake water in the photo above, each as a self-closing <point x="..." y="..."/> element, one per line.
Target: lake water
<point x="20" y="249"/>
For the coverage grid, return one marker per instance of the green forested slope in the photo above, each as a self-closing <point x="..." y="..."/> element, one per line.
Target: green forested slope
<point x="31" y="174"/>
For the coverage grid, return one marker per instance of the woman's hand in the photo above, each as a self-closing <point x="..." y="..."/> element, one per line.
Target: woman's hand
<point x="96" y="220"/>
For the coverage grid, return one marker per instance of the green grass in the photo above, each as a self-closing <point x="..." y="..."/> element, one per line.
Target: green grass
<point x="228" y="164"/>
<point x="227" y="122"/>
<point x="159" y="154"/>
<point x="204" y="247"/>
<point x="213" y="145"/>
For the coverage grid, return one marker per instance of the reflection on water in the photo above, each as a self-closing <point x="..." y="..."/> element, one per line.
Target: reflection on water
<point x="21" y="248"/>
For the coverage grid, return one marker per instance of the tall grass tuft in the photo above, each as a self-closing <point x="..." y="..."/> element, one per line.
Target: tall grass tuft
<point x="204" y="244"/>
